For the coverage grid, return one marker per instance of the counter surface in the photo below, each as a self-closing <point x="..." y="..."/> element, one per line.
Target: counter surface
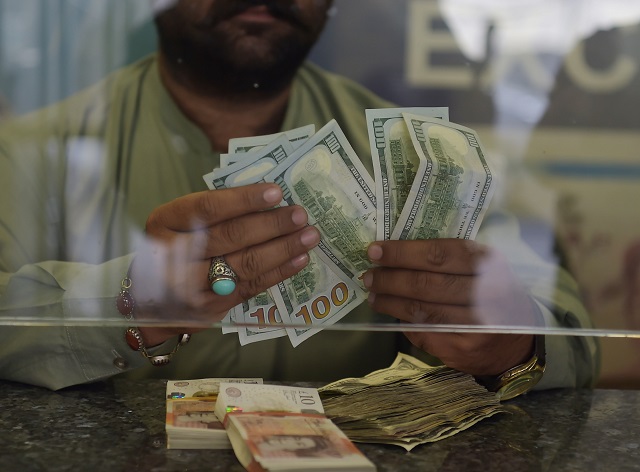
<point x="119" y="426"/>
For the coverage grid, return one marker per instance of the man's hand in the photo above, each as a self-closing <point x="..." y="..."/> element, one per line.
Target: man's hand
<point x="453" y="281"/>
<point x="262" y="244"/>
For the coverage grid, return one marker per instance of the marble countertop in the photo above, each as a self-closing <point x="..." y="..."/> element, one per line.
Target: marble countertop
<point x="119" y="426"/>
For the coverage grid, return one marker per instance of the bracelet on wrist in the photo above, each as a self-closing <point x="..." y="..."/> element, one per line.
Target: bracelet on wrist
<point x="126" y="305"/>
<point x="136" y="343"/>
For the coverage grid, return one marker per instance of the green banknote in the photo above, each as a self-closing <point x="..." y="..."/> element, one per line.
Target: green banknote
<point x="453" y="185"/>
<point x="297" y="137"/>
<point x="408" y="404"/>
<point x="314" y="298"/>
<point x="327" y="178"/>
<point x="258" y="319"/>
<point x="261" y="310"/>
<point x="395" y="161"/>
<point x="252" y="167"/>
<point x="240" y="147"/>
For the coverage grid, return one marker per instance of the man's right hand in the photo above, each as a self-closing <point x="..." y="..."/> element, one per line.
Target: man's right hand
<point x="262" y="244"/>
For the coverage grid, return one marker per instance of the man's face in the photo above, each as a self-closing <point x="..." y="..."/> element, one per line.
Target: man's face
<point x="234" y="44"/>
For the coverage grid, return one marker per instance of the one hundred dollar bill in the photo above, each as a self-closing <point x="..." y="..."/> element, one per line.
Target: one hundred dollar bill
<point x="395" y="161"/>
<point x="252" y="167"/>
<point x="229" y="322"/>
<point x="296" y="137"/>
<point x="262" y="312"/>
<point x="247" y="171"/>
<point x="327" y="178"/>
<point x="225" y="159"/>
<point x="313" y="298"/>
<point x="453" y="185"/>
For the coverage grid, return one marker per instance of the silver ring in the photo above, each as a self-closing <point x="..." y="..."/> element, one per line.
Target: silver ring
<point x="222" y="278"/>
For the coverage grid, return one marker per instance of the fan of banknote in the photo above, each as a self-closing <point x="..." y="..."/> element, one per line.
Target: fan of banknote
<point x="407" y="404"/>
<point x="432" y="180"/>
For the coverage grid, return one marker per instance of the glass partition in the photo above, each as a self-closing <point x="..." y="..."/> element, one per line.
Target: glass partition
<point x="514" y="125"/>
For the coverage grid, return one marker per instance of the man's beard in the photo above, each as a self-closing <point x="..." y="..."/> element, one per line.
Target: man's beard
<point x="217" y="58"/>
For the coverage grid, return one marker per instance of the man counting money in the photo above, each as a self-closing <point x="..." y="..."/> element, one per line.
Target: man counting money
<point x="104" y="214"/>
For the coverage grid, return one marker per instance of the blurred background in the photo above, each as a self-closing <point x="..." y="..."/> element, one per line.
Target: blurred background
<point x="552" y="86"/>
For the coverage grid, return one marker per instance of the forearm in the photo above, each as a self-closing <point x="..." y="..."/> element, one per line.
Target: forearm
<point x="571" y="361"/>
<point x="61" y="325"/>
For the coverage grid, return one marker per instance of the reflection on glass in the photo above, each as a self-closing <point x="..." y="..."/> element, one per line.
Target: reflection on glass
<point x="102" y="185"/>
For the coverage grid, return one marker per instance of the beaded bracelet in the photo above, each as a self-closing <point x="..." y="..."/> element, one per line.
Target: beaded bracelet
<point x="125" y="305"/>
<point x="135" y="342"/>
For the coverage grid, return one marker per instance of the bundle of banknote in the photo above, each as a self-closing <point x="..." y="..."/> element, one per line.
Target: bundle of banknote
<point x="407" y="404"/>
<point x="274" y="427"/>
<point x="191" y="422"/>
<point x="432" y="180"/>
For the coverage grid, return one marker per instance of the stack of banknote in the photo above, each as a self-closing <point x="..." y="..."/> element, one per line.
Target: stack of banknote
<point x="432" y="180"/>
<point x="407" y="404"/>
<point x="274" y="427"/>
<point x="191" y="422"/>
<point x="279" y="427"/>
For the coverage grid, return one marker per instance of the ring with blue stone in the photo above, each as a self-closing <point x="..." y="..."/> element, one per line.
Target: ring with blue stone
<point x="222" y="278"/>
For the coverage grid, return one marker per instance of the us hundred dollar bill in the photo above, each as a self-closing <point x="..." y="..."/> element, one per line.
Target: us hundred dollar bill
<point x="252" y="167"/>
<point x="395" y="161"/>
<point x="261" y="310"/>
<point x="314" y="298"/>
<point x="258" y="319"/>
<point x="240" y="147"/>
<point x="326" y="177"/>
<point x="297" y="137"/>
<point x="453" y="185"/>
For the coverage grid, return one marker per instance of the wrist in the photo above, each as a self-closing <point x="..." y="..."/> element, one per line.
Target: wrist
<point x="134" y="339"/>
<point x="143" y="339"/>
<point x="155" y="336"/>
<point x="522" y="377"/>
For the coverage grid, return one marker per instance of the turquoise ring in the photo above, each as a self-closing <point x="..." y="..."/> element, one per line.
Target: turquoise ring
<point x="222" y="278"/>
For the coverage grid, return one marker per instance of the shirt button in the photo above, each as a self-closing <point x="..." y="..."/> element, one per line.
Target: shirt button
<point x="120" y="363"/>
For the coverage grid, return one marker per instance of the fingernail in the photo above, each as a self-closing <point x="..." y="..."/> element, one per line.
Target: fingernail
<point x="299" y="216"/>
<point x="367" y="280"/>
<point x="310" y="237"/>
<point x="300" y="261"/>
<point x="272" y="195"/>
<point x="375" y="252"/>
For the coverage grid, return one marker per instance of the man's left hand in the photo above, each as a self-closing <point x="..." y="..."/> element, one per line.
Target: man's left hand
<point x="453" y="281"/>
